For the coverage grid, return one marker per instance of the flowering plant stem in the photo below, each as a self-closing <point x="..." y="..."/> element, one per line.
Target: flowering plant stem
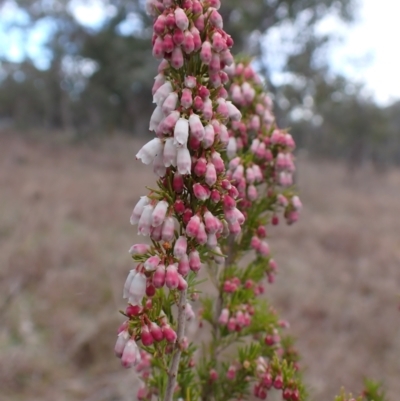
<point x="173" y="370"/>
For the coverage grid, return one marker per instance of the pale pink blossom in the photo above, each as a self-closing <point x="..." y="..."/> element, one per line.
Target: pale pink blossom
<point x="139" y="249"/>
<point x="131" y="355"/>
<point x="158" y="165"/>
<point x="209" y="136"/>
<point x="194" y="261"/>
<point x="177" y="59"/>
<point x="149" y="151"/>
<point x="156" y="118"/>
<point x="138" y="210"/>
<point x="181" y="19"/>
<point x="122" y="340"/>
<point x="196" y="127"/>
<point x="180" y="247"/>
<point x="170" y="103"/>
<point x="159" y="213"/>
<point x="152" y="262"/>
<point x="184" y="161"/>
<point x="168" y="230"/>
<point x="162" y="93"/>
<point x="144" y="225"/>
<point x="223" y="317"/>
<point x="170" y="153"/>
<point x="181" y="132"/>
<point x="186" y="99"/>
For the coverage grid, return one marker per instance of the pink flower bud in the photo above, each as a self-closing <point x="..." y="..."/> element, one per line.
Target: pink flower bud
<point x="181" y="19"/>
<point x="215" y="66"/>
<point x="168" y="44"/>
<point x="171" y="277"/>
<point x="224" y="317"/>
<point x="212" y="241"/>
<point x="213" y="375"/>
<point x="215" y="196"/>
<point x="158" y="48"/>
<point x="197" y="7"/>
<point x="206" y="53"/>
<point x="211" y="174"/>
<point x="170" y="121"/>
<point x="159" y="213"/>
<point x="144" y="225"/>
<point x="232" y="148"/>
<point x="162" y="93"/>
<point x="186" y="99"/>
<point x="190" y="82"/>
<point x="146" y="337"/>
<point x="156" y="332"/>
<point x="209" y="136"/>
<point x="188" y="43"/>
<point x="170" y="103"/>
<point x="234" y="113"/>
<point x="187" y="215"/>
<point x="194" y="261"/>
<point x="201" y="236"/>
<point x="252" y="192"/>
<point x="296" y="202"/>
<point x="264" y="248"/>
<point x="159" y="81"/>
<point x="278" y="382"/>
<point x="218" y="162"/>
<point x="183" y="266"/>
<point x="178" y="37"/>
<point x="159" y="277"/>
<point x="201" y="192"/>
<point x="159" y="25"/>
<point x="169" y="333"/>
<point x="149" y="151"/>
<point x="227" y="58"/>
<point x="200" y="167"/>
<point x="222" y="108"/>
<point x="156" y="233"/>
<point x="229" y="202"/>
<point x="196" y="39"/>
<point x="187" y="5"/>
<point x="183" y="285"/>
<point x="177" y="59"/>
<point x="180" y="247"/>
<point x="211" y="222"/>
<point x="218" y="43"/>
<point x="131" y="354"/>
<point x="192" y="227"/>
<point x="215" y="80"/>
<point x="177" y="183"/>
<point x="138" y="209"/>
<point x="139" y="249"/>
<point x="133" y="310"/>
<point x="231" y="373"/>
<point x="184" y="161"/>
<point x="199" y="23"/>
<point x="231" y="324"/>
<point x="207" y="109"/>
<point x="234" y="228"/>
<point x="216" y="19"/>
<point x="168" y="230"/>
<point x="196" y="126"/>
<point x="198" y="103"/>
<point x="204" y="93"/>
<point x="152" y="263"/>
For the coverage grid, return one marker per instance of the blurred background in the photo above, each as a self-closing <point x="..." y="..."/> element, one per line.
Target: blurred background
<point x="75" y="101"/>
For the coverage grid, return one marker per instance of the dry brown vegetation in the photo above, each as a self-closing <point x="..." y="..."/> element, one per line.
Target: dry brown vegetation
<point x="64" y="236"/>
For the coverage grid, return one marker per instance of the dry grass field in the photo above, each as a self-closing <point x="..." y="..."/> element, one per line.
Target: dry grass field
<point x="64" y="236"/>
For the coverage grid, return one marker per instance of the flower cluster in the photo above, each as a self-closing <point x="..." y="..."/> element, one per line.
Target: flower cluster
<point x="261" y="153"/>
<point x="195" y="204"/>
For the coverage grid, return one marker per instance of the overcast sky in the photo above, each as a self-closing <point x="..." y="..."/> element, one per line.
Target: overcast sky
<point x="369" y="52"/>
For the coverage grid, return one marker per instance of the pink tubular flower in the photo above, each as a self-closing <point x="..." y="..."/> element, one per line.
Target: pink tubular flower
<point x="181" y="132"/>
<point x="156" y="332"/>
<point x="196" y="127"/>
<point x="211" y="174"/>
<point x="171" y="277"/>
<point x="181" y="19"/>
<point x="184" y="161"/>
<point x="152" y="263"/>
<point x="159" y="213"/>
<point x="170" y="153"/>
<point x="206" y="53"/>
<point x="169" y="333"/>
<point x="201" y="192"/>
<point x="180" y="247"/>
<point x="168" y="229"/>
<point x="139" y="249"/>
<point x="144" y="225"/>
<point x="194" y="261"/>
<point x="170" y="103"/>
<point x="131" y="355"/>
<point x="122" y="340"/>
<point x="177" y="59"/>
<point x="138" y="210"/>
<point x="162" y="93"/>
<point x="224" y="317"/>
<point x="186" y="99"/>
<point x="149" y="151"/>
<point x="137" y="288"/>
<point x="193" y="226"/>
<point x="183" y="266"/>
<point x="159" y="277"/>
